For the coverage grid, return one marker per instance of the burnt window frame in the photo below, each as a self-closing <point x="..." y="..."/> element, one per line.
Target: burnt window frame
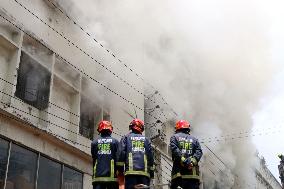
<point x="97" y="117"/>
<point x="43" y="86"/>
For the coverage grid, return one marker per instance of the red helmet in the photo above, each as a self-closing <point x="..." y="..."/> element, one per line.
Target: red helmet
<point x="182" y="124"/>
<point x="137" y="125"/>
<point x="105" y="125"/>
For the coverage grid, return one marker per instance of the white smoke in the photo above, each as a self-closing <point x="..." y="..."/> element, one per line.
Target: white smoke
<point x="210" y="59"/>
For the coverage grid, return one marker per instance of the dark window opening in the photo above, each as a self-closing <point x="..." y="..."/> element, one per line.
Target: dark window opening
<point x="4" y="145"/>
<point x="33" y="82"/>
<point x="89" y="116"/>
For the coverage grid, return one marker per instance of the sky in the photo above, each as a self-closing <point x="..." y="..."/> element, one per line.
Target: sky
<point x="269" y="121"/>
<point x="269" y="118"/>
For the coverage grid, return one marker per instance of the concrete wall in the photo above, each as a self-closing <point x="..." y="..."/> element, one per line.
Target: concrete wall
<point x="61" y="40"/>
<point x="40" y="141"/>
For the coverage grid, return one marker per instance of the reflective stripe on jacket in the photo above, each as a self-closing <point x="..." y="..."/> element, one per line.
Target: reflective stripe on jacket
<point x="136" y="155"/>
<point x="185" y="146"/>
<point x="104" y="152"/>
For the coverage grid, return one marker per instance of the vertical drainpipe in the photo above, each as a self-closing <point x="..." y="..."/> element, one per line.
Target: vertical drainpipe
<point x="8" y="162"/>
<point x="37" y="170"/>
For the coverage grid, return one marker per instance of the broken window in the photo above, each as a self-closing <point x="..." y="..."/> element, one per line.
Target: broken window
<point x="33" y="82"/>
<point x="90" y="115"/>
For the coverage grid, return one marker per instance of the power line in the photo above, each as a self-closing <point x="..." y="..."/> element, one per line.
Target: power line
<point x="252" y="134"/>
<point x="84" y="53"/>
<point x="56" y="125"/>
<point x="49" y="113"/>
<point x="82" y="50"/>
<point x="216" y="156"/>
<point x="224" y="163"/>
<point x="93" y="38"/>
<point x="30" y="124"/>
<point x="111" y="53"/>
<point x="53" y="104"/>
<point x="233" y="134"/>
<point x="37" y="117"/>
<point x="81" y="71"/>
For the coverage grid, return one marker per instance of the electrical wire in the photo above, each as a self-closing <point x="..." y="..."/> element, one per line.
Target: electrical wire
<point x="59" y="136"/>
<point x="30" y="124"/>
<point x="247" y="136"/>
<point x="81" y="71"/>
<point x="76" y="23"/>
<point x="56" y="125"/>
<point x="82" y="50"/>
<point x="226" y="166"/>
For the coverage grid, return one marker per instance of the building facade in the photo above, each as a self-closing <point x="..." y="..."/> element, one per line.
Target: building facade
<point x="264" y="178"/>
<point x="217" y="176"/>
<point x="56" y="84"/>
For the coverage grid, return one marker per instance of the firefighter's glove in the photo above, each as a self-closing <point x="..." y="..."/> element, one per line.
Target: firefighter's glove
<point x="185" y="162"/>
<point x="193" y="161"/>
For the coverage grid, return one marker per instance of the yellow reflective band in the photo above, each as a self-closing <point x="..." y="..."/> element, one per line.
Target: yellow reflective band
<point x="193" y="160"/>
<point x="176" y="176"/>
<point x="95" y="170"/>
<point x="120" y="163"/>
<point x="112" y="168"/>
<point x="194" y="171"/>
<point x="104" y="179"/>
<point x="190" y="177"/>
<point x="137" y="173"/>
<point x="145" y="163"/>
<point x="130" y="160"/>
<point x="152" y="168"/>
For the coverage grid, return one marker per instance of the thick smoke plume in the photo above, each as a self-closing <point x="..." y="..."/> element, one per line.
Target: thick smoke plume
<point x="210" y="59"/>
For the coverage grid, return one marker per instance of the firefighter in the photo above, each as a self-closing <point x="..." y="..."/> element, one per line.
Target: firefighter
<point x="186" y="153"/>
<point x="104" y="152"/>
<point x="136" y="159"/>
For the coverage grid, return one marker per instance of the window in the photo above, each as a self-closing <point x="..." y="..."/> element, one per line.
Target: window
<point x="3" y="160"/>
<point x="72" y="179"/>
<point x="89" y="117"/>
<point x="49" y="174"/>
<point x="22" y="168"/>
<point x="33" y="82"/>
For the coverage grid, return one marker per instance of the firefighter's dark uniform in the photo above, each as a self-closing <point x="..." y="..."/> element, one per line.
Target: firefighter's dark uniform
<point x="136" y="156"/>
<point x="104" y="152"/>
<point x="185" y="146"/>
